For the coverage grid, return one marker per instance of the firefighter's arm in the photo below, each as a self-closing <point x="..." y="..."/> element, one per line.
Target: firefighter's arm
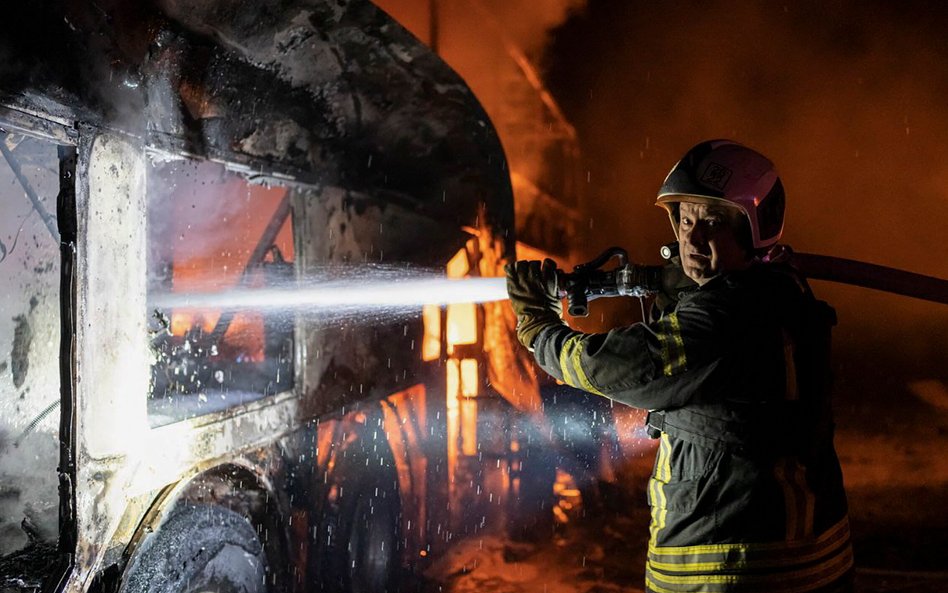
<point x="653" y="366"/>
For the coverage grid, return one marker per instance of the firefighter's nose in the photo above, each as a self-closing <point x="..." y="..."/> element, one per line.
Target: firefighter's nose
<point x="694" y="237"/>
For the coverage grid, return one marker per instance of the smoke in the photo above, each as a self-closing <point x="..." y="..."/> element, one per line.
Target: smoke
<point x="528" y="22"/>
<point x="847" y="99"/>
<point x="525" y="23"/>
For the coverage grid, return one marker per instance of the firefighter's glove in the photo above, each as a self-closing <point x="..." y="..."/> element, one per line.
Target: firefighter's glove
<point x="533" y="293"/>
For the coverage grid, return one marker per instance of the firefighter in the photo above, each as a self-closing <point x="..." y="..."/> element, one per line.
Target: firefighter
<point x="746" y="492"/>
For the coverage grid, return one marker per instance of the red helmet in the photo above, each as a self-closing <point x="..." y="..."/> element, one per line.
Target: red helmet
<point x="724" y="171"/>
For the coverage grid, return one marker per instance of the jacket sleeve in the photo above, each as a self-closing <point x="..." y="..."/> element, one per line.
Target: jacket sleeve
<point x="654" y="365"/>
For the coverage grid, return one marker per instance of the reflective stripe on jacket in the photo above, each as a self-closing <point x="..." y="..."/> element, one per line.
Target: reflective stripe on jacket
<point x="747" y="492"/>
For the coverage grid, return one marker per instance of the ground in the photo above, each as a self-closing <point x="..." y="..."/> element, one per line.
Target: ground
<point x="896" y="476"/>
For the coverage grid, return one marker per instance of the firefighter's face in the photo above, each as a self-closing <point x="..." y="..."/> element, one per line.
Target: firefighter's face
<point x="708" y="238"/>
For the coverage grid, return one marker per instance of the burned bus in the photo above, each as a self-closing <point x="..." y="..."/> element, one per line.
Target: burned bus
<point x="158" y="150"/>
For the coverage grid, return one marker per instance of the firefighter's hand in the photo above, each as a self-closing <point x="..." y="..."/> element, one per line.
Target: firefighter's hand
<point x="532" y="288"/>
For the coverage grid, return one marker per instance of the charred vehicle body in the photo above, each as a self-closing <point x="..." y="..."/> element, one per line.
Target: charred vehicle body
<point x="174" y="147"/>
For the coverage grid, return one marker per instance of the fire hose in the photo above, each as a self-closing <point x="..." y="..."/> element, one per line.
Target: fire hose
<point x="589" y="281"/>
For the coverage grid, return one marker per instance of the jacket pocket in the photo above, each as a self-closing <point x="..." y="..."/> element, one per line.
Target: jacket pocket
<point x="678" y="496"/>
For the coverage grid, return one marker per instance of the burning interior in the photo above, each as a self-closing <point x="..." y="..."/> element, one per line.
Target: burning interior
<point x="210" y="230"/>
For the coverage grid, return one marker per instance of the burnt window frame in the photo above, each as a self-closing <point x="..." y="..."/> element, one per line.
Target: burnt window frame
<point x="67" y="138"/>
<point x="252" y="175"/>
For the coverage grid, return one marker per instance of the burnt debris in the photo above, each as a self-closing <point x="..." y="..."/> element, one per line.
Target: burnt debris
<point x="330" y="93"/>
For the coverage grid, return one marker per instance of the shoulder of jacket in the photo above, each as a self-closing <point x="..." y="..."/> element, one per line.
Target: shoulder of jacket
<point x="771" y="278"/>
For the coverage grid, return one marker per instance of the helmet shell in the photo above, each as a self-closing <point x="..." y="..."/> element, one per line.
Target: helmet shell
<point x="723" y="171"/>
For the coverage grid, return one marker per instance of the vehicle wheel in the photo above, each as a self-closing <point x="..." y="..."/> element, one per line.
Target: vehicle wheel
<point x="200" y="548"/>
<point x="362" y="555"/>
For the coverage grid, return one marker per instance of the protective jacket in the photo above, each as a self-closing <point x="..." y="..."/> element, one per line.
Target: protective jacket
<point x="746" y="493"/>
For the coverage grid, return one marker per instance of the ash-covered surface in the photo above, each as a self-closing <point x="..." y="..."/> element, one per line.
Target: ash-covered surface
<point x="597" y="546"/>
<point x="26" y="569"/>
<point x="20" y="353"/>
<point x="891" y="440"/>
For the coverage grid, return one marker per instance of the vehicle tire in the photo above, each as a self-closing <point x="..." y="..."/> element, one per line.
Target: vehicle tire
<point x="200" y="548"/>
<point x="362" y="553"/>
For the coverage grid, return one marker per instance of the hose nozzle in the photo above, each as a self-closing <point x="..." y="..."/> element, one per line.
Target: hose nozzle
<point x="588" y="281"/>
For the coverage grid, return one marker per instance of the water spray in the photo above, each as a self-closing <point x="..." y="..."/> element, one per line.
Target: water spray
<point x="386" y="290"/>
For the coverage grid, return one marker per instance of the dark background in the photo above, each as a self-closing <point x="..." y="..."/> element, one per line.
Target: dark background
<point x="847" y="98"/>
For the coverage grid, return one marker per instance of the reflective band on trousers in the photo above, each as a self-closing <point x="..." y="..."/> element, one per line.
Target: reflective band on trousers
<point x="782" y="567"/>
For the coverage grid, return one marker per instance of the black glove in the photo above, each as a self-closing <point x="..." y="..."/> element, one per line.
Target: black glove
<point x="531" y="286"/>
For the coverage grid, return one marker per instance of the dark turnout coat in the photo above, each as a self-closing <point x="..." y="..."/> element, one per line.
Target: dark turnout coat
<point x="746" y="493"/>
